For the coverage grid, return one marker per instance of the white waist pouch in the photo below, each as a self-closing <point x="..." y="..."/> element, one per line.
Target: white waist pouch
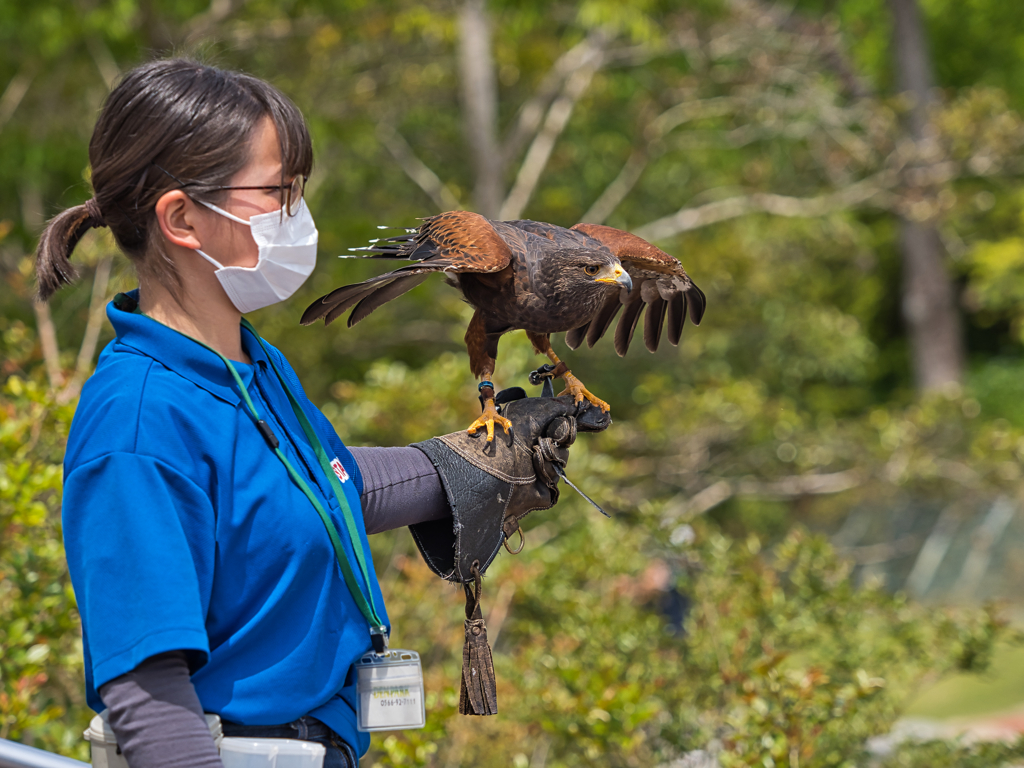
<point x="237" y="752"/>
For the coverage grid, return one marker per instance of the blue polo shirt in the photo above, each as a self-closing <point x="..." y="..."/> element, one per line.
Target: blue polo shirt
<point x="184" y="531"/>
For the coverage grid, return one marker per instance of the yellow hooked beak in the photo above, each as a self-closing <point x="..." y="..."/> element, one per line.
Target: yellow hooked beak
<point x="615" y="275"/>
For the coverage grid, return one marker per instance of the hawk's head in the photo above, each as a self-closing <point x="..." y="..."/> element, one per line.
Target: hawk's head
<point x="584" y="273"/>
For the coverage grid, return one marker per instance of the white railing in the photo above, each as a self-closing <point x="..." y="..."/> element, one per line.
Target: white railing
<point x="14" y="755"/>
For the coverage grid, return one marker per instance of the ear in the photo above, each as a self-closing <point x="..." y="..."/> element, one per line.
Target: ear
<point x="178" y="218"/>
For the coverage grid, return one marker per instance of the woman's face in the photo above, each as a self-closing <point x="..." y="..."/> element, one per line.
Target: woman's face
<point x="230" y="242"/>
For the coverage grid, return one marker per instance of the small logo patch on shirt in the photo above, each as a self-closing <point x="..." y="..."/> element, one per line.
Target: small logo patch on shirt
<point x="339" y="470"/>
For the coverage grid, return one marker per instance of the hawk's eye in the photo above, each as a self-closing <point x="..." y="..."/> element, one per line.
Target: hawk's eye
<point x="591" y="269"/>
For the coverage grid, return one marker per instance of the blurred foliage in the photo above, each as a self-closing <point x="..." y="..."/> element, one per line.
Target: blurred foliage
<point x="945" y="754"/>
<point x="42" y="699"/>
<point x="708" y="613"/>
<point x="632" y="640"/>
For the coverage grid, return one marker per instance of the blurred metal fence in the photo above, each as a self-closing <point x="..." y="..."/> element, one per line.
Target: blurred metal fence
<point x="964" y="551"/>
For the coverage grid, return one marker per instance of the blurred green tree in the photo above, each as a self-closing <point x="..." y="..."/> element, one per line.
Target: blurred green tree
<point x="749" y="141"/>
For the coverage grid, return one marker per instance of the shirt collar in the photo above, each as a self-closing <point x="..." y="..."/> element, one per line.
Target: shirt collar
<point x="182" y="354"/>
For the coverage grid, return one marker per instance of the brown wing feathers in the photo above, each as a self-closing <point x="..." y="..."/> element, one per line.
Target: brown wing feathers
<point x="461" y="241"/>
<point x="659" y="282"/>
<point x="603" y="319"/>
<point x="627" y="324"/>
<point x="575" y="337"/>
<point x="676" y="317"/>
<point x="467" y="239"/>
<point x="456" y="241"/>
<point x="655" y="316"/>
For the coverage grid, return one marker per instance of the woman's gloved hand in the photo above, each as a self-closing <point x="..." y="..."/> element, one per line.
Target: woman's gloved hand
<point x="491" y="487"/>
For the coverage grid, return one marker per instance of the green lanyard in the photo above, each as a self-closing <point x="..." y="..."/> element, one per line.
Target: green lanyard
<point x="365" y="603"/>
<point x="378" y="630"/>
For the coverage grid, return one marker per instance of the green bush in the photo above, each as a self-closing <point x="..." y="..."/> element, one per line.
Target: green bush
<point x="42" y="701"/>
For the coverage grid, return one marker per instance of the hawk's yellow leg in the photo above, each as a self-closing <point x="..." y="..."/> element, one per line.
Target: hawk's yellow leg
<point x="488" y="418"/>
<point x="574" y="386"/>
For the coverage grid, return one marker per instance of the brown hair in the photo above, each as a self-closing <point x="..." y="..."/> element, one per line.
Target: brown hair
<point x="188" y="118"/>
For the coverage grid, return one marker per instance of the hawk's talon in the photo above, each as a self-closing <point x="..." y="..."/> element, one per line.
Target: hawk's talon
<point x="574" y="387"/>
<point x="487" y="419"/>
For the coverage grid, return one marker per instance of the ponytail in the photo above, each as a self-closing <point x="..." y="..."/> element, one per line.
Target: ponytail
<point x="58" y="241"/>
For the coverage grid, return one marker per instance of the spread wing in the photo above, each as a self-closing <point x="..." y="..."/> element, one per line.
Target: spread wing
<point x="456" y="241"/>
<point x="659" y="283"/>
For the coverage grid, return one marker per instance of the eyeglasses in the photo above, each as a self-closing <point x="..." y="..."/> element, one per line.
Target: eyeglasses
<point x="291" y="195"/>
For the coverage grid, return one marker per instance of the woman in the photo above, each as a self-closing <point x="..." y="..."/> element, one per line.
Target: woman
<point x="203" y="493"/>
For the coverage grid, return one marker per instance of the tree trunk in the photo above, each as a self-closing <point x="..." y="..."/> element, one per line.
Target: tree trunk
<point x="480" y="105"/>
<point x="929" y="308"/>
<point x="929" y="299"/>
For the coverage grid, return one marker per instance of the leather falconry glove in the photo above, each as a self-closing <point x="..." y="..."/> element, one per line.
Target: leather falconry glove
<point x="491" y="487"/>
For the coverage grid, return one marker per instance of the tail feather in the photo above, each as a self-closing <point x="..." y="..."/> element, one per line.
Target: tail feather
<point x="338" y="301"/>
<point x="341" y="307"/>
<point x="385" y="294"/>
<point x="322" y="306"/>
<point x="314" y="312"/>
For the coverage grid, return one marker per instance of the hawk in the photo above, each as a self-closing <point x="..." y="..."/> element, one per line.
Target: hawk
<point x="533" y="276"/>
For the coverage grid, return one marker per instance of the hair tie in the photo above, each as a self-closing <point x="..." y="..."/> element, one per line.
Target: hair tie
<point x="95" y="214"/>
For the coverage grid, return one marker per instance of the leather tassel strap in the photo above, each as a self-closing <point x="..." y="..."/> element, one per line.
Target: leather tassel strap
<point x="479" y="694"/>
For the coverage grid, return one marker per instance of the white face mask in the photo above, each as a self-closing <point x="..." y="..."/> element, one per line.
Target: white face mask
<point x="287" y="255"/>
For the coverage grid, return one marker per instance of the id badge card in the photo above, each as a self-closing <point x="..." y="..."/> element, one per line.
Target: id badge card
<point x="390" y="691"/>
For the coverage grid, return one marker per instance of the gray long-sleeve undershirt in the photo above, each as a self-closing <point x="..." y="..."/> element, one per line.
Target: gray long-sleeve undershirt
<point x="400" y="488"/>
<point x="154" y="710"/>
